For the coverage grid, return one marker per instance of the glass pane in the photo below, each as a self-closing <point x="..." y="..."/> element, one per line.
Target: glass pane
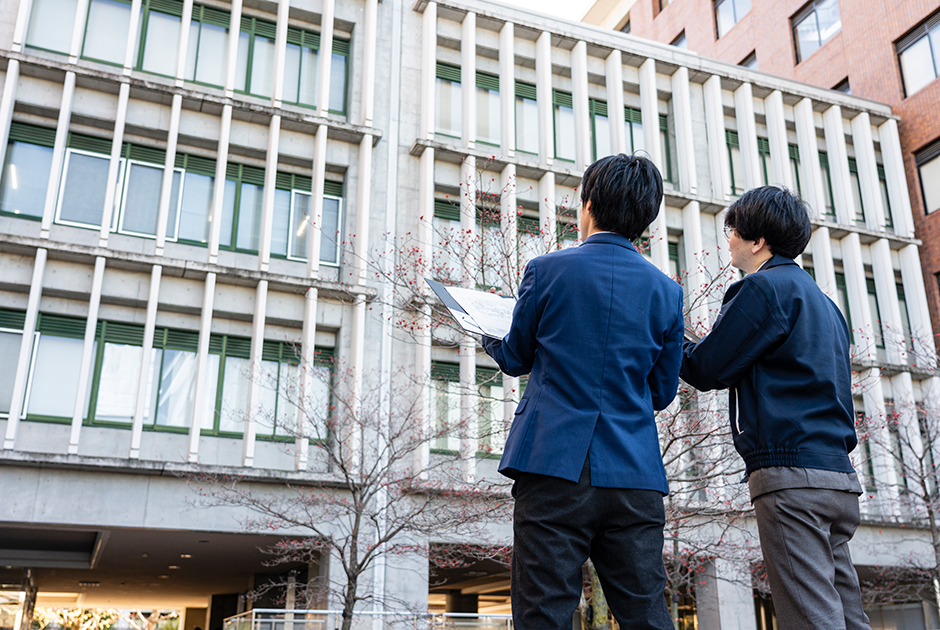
<point x="307" y="91"/>
<point x="876" y="316"/>
<point x="639" y="140"/>
<point x="241" y="61"/>
<point x="50" y="24"/>
<point x="488" y="116"/>
<point x="54" y="384"/>
<point x="829" y="22"/>
<point x="299" y="223"/>
<point x="196" y="207"/>
<point x="317" y="414"/>
<point x="664" y="151"/>
<point x="527" y="125"/>
<point x="857" y="198"/>
<point x="492" y="427"/>
<point x="338" y="83"/>
<point x="174" y="205"/>
<point x="288" y="387"/>
<point x="262" y="67"/>
<point x="117" y="385"/>
<point x="795" y="174"/>
<point x="807" y="36"/>
<point x="724" y="16"/>
<point x="448" y="107"/>
<point x="446" y="258"/>
<point x="211" y="388"/>
<point x="885" y="202"/>
<point x="329" y="237"/>
<point x="213" y="47"/>
<point x="737" y="170"/>
<point x="192" y="48"/>
<point x="85" y="183"/>
<point x="917" y="66"/>
<point x="564" y="133"/>
<point x="178" y="388"/>
<point x="930" y="180"/>
<point x="601" y="137"/>
<point x="142" y="200"/>
<point x="105" y="33"/>
<point x="235" y="386"/>
<point x="447" y="416"/>
<point x="162" y="44"/>
<point x="9" y="354"/>
<point x="228" y="213"/>
<point x="267" y="386"/>
<point x="291" y="74"/>
<point x="741" y="7"/>
<point x="249" y="217"/>
<point x="281" y="224"/>
<point x="24" y="181"/>
<point x="827" y="190"/>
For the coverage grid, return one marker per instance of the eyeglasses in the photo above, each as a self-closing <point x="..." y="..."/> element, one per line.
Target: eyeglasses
<point x="728" y="231"/>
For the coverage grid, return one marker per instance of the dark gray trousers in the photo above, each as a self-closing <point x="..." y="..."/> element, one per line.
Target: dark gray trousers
<point x="557" y="524"/>
<point x="804" y="535"/>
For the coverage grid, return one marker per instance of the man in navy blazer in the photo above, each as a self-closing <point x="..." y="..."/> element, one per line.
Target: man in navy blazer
<point x="781" y="347"/>
<point x="599" y="329"/>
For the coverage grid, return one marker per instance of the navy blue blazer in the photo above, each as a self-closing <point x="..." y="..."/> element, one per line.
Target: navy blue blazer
<point x="782" y="347"/>
<point x="600" y="330"/>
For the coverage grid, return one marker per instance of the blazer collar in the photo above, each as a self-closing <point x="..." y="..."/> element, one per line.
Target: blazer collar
<point x="778" y="260"/>
<point x="610" y="238"/>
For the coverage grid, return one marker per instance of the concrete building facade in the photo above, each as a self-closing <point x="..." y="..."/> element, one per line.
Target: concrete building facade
<point x="181" y="209"/>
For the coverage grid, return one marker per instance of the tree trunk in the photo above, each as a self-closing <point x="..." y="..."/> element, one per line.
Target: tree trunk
<point x="595" y="615"/>
<point x="349" y="604"/>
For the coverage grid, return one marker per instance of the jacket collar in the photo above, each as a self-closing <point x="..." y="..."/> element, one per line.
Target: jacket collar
<point x="610" y="238"/>
<point x="778" y="260"/>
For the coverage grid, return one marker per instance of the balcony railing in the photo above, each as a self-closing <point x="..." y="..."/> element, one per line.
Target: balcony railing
<point x="279" y="619"/>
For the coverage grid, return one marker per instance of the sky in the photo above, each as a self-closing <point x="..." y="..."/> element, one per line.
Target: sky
<point x="572" y="10"/>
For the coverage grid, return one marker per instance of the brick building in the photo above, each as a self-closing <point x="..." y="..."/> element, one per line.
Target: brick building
<point x="883" y="50"/>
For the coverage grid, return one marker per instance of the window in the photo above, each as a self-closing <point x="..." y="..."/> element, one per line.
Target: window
<point x="527" y="118"/>
<point x="928" y="167"/>
<point x="856" y="192"/>
<point x="448" y="99"/>
<point x="195" y="209"/>
<point x="843" y="86"/>
<point x="107" y="18"/>
<point x="488" y="115"/>
<point x="600" y="128"/>
<point x="750" y="62"/>
<point x="84" y="181"/>
<point x="292" y="199"/>
<point x="885" y="198"/>
<point x="142" y="189"/>
<point x="301" y="66"/>
<point x="680" y="42"/>
<point x="763" y="154"/>
<point x="208" y="45"/>
<point x="564" y="126"/>
<point x="794" y="163"/>
<point x="675" y="269"/>
<point x="664" y="147"/>
<point x="50" y="25"/>
<point x="11" y="336"/>
<point x="26" y="170"/>
<point x="736" y="161"/>
<point x="877" y="326"/>
<point x="446" y="405"/>
<point x="254" y="69"/>
<point x="827" y="185"/>
<point x="280" y="391"/>
<point x="56" y="363"/>
<point x="449" y="243"/>
<point x="160" y="22"/>
<point x="626" y="26"/>
<point x="530" y="239"/>
<point x="728" y="13"/>
<point x="491" y="426"/>
<point x="905" y="321"/>
<point x="842" y="301"/>
<point x="919" y="55"/>
<point x="815" y="25"/>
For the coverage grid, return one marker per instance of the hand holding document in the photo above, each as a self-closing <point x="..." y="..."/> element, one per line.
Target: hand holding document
<point x="478" y="312"/>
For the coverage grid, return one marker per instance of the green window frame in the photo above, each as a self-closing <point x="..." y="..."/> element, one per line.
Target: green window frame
<point x="763" y="154"/>
<point x="733" y="144"/>
<point x="310" y="41"/>
<point x="633" y="126"/>
<point x="793" y="152"/>
<point x="856" y="191"/>
<point x="196" y="63"/>
<point x="878" y="327"/>
<point x="61" y="327"/>
<point x="117" y="28"/>
<point x="488" y="118"/>
<point x="238" y="239"/>
<point x="527" y="127"/>
<point x="664" y="147"/>
<point x="172" y="8"/>
<point x="843" y="302"/>
<point x="447" y="78"/>
<point x="885" y="197"/>
<point x="827" y="183"/>
<point x="86" y="149"/>
<point x="563" y="107"/>
<point x="29" y="142"/>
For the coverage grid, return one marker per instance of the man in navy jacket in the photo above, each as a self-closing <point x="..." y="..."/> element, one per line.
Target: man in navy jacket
<point x="781" y="347"/>
<point x="600" y="330"/>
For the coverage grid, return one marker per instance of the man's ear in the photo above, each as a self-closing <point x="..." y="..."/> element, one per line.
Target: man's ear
<point x="760" y="245"/>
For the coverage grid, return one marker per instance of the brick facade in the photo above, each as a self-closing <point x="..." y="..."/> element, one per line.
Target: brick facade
<point x="864" y="51"/>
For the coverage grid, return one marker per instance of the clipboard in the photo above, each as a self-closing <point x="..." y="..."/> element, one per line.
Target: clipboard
<point x="477" y="312"/>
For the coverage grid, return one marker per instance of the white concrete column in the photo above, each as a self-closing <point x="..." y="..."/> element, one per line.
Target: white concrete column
<point x="915" y="293"/>
<point x="839" y="165"/>
<point x="509" y="226"/>
<point x="357" y="353"/>
<point x="218" y="191"/>
<point x="267" y="199"/>
<point x="17" y="403"/>
<point x="58" y="153"/>
<point x="185" y="24"/>
<point x="231" y="57"/>
<point x="543" y="94"/>
<point x="110" y="202"/>
<point x="696" y="281"/>
<point x="143" y="380"/>
<point x="747" y="135"/>
<point x="307" y="428"/>
<point x="649" y="110"/>
<point x="718" y="161"/>
<point x="364" y="195"/>
<point x="898" y="193"/>
<point x="685" y="142"/>
<point x="422" y="334"/>
<point x="821" y="246"/>
<point x="905" y="407"/>
<point x="615" y="111"/>
<point x="84" y="370"/>
<point x="315" y="218"/>
<point x="428" y="70"/>
<point x="257" y="374"/>
<point x="579" y="101"/>
<point x="166" y="188"/>
<point x="886" y="479"/>
<point x="7" y="102"/>
<point x="890" y="311"/>
<point x="548" y="217"/>
<point x="777" y="137"/>
<point x="280" y="52"/>
<point x="507" y="89"/>
<point x="811" y="184"/>
<point x="368" y="62"/>
<point x="468" y="78"/>
<point x="468" y="412"/>
<point x="723" y="598"/>
<point x="868" y="172"/>
<point x="856" y="289"/>
<point x="202" y="361"/>
<point x="20" y="27"/>
<point x="468" y="213"/>
<point x="78" y="29"/>
<point x="133" y="32"/>
<point x="325" y="58"/>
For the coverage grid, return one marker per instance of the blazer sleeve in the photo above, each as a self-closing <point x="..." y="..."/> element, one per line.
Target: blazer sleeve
<point x="745" y="329"/>
<point x="515" y="353"/>
<point x="664" y="377"/>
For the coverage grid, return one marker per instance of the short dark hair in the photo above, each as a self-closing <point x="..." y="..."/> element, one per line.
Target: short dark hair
<point x="773" y="213"/>
<point x="625" y="192"/>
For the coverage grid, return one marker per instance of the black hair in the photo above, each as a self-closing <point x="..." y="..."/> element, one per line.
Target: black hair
<point x="773" y="213"/>
<point x="625" y="192"/>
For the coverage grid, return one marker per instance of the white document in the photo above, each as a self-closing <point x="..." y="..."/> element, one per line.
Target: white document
<point x="491" y="312"/>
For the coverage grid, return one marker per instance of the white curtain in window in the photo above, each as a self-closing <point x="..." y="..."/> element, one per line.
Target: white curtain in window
<point x="54" y="383"/>
<point x="488" y="116"/>
<point x="106" y="31"/>
<point x="25" y="177"/>
<point x="205" y="54"/>
<point x="280" y="230"/>
<point x="118" y="383"/>
<point x="9" y="354"/>
<point x="235" y="386"/>
<point x="196" y="207"/>
<point x="564" y="133"/>
<point x="50" y="24"/>
<point x="249" y="217"/>
<point x="162" y="43"/>
<point x="262" y="67"/>
<point x="178" y="389"/>
<point x="448" y="102"/>
<point x="527" y="125"/>
<point x="82" y="196"/>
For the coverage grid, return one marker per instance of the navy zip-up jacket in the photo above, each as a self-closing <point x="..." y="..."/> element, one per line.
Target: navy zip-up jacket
<point x="782" y="347"/>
